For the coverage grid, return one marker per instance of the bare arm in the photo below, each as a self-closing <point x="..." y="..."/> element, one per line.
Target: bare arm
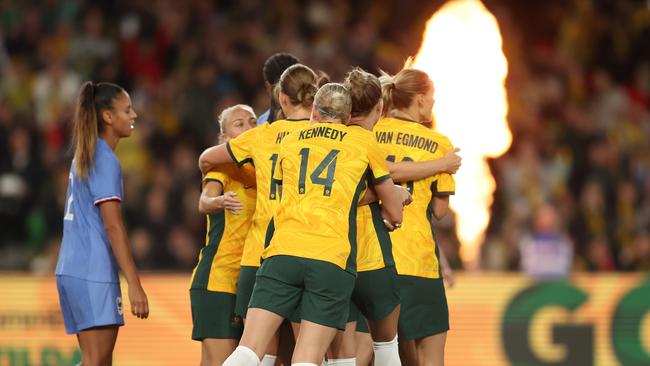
<point x="212" y="201"/>
<point x="440" y="205"/>
<point x="447" y="272"/>
<point x="411" y="170"/>
<point x="111" y="213"/>
<point x="392" y="203"/>
<point x="213" y="156"/>
<point x="369" y="197"/>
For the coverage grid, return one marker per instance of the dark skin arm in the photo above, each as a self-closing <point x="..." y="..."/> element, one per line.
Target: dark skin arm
<point x="111" y="212"/>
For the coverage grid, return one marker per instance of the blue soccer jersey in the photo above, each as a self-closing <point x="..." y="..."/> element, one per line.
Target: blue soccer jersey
<point x="263" y="117"/>
<point x="86" y="252"/>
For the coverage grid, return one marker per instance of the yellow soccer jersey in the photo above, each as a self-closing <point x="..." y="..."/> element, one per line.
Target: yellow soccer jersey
<point x="323" y="169"/>
<point x="374" y="249"/>
<point x="261" y="145"/>
<point x="414" y="245"/>
<point x="219" y="261"/>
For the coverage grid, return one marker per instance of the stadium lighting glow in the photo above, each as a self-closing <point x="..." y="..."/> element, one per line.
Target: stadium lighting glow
<point x="462" y="52"/>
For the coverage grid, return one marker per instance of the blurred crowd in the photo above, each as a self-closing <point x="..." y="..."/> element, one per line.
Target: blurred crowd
<point x="577" y="175"/>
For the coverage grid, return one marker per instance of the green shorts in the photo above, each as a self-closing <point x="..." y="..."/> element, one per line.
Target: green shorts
<point x="376" y="293"/>
<point x="424" y="310"/>
<point x="362" y="324"/>
<point x="213" y="315"/>
<point x="245" y="286"/>
<point x="320" y="289"/>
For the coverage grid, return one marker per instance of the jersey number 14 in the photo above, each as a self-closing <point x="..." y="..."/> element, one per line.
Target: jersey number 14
<point x="326" y="166"/>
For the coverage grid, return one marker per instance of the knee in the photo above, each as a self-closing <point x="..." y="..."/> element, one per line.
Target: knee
<point x="97" y="359"/>
<point x="208" y="359"/>
<point x="383" y="335"/>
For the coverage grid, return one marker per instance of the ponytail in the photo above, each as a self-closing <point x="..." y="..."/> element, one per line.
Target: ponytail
<point x="365" y="91"/>
<point x="387" y="87"/>
<point x="92" y="101"/>
<point x="85" y="130"/>
<point x="398" y="91"/>
<point x="299" y="83"/>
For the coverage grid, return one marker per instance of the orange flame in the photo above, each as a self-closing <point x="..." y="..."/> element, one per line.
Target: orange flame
<point x="461" y="52"/>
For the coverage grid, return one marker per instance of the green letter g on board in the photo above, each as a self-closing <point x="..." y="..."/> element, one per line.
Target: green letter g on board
<point x="577" y="338"/>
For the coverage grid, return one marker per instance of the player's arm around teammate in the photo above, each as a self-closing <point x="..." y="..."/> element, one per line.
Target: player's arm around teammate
<point x="322" y="171"/>
<point x="94" y="240"/>
<point x="379" y="304"/>
<point x="406" y="133"/>
<point x="296" y="90"/>
<point x="228" y="201"/>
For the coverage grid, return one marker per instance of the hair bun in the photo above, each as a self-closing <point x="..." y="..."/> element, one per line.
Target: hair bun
<point x="386" y="80"/>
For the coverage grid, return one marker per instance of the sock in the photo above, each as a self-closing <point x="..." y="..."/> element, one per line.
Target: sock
<point x="303" y="364"/>
<point x="386" y="353"/>
<point x="243" y="356"/>
<point x="324" y="363"/>
<point x="342" y="362"/>
<point x="268" y="360"/>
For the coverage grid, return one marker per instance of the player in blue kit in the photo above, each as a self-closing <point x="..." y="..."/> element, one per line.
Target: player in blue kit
<point x="94" y="239"/>
<point x="273" y="68"/>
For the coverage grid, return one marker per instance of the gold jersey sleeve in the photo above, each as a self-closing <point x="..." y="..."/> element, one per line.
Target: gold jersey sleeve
<point x="261" y="147"/>
<point x="414" y="245"/>
<point x="323" y="168"/>
<point x="242" y="147"/>
<point x="219" y="260"/>
<point x="444" y="185"/>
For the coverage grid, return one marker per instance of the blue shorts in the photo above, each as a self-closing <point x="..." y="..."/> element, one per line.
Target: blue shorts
<point x="88" y="304"/>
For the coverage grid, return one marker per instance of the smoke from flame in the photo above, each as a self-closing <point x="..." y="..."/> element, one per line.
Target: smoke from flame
<point x="461" y="52"/>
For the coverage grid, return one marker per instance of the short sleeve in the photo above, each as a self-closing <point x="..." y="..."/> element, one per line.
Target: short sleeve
<point x="105" y="180"/>
<point x="377" y="163"/>
<point x="240" y="148"/>
<point x="444" y="185"/>
<point x="215" y="176"/>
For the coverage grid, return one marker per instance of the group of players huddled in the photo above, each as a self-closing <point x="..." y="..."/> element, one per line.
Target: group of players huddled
<point x="307" y="226"/>
<point x="320" y="244"/>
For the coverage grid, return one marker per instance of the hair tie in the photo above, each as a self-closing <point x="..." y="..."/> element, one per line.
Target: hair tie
<point x="327" y="114"/>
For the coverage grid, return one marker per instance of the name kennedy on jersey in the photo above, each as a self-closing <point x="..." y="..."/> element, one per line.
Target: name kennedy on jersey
<point x="322" y="131"/>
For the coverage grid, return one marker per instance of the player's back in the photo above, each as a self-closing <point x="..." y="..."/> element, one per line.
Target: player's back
<point x="414" y="245"/>
<point x="323" y="169"/>
<point x="260" y="145"/>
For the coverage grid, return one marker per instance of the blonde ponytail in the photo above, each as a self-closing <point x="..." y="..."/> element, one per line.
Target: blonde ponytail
<point x="387" y="87"/>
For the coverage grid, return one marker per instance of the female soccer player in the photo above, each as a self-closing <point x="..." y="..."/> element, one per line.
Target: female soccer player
<point x="261" y="145"/>
<point x="94" y="239"/>
<point x="375" y="264"/>
<point x="273" y="68"/>
<point x="424" y="317"/>
<point x="228" y="201"/>
<point x="310" y="260"/>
